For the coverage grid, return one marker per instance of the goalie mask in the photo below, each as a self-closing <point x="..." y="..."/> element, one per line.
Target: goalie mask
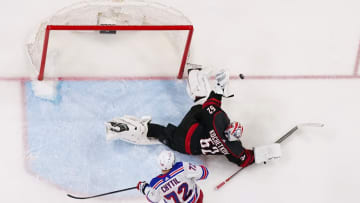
<point x="166" y="160"/>
<point x="234" y="131"/>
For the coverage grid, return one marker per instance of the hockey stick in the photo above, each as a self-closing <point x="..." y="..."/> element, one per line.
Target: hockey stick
<point x="108" y="193"/>
<point x="280" y="140"/>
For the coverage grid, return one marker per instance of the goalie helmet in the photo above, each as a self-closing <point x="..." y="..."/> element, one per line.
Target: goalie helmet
<point x="166" y="160"/>
<point x="234" y="131"/>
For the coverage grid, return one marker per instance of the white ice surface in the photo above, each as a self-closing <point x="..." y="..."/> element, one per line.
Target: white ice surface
<point x="257" y="38"/>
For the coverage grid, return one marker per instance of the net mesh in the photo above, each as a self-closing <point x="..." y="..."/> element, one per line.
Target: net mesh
<point x="104" y="12"/>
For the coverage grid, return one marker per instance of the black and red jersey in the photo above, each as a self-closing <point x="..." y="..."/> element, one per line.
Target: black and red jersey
<point x="202" y="132"/>
<point x="205" y="133"/>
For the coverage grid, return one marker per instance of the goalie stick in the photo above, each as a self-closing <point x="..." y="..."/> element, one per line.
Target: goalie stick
<point x="108" y="193"/>
<point x="280" y="140"/>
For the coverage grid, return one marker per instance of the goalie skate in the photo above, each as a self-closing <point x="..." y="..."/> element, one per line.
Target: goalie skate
<point x="129" y="129"/>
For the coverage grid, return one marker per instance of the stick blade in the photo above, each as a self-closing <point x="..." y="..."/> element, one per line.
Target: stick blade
<point x="74" y="197"/>
<point x="319" y="125"/>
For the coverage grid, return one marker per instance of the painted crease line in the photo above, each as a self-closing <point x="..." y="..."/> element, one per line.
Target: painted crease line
<point x="26" y="153"/>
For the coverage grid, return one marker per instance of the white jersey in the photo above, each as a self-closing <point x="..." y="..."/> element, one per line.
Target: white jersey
<point x="178" y="185"/>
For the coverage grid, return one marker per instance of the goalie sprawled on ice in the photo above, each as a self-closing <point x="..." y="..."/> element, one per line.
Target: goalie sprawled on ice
<point x="205" y="129"/>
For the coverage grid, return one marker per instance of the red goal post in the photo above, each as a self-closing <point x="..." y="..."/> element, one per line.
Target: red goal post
<point x="107" y="17"/>
<point x="117" y="27"/>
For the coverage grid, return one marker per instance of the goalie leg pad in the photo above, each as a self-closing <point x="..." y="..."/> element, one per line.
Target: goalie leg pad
<point x="267" y="153"/>
<point x="130" y="129"/>
<point x="198" y="84"/>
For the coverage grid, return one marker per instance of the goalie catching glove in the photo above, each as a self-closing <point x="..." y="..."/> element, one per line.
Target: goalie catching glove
<point x="267" y="153"/>
<point x="222" y="83"/>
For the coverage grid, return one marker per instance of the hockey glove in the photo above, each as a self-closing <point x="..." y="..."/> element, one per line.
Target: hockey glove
<point x="141" y="186"/>
<point x="266" y="153"/>
<point x="222" y="78"/>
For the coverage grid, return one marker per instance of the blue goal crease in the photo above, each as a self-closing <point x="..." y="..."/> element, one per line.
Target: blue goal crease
<point x="66" y="138"/>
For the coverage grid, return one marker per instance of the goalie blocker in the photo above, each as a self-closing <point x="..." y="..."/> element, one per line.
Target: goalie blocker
<point x="266" y="153"/>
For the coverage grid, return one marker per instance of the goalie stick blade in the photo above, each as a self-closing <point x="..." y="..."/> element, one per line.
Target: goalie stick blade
<point x="311" y="125"/>
<point x="229" y="96"/>
<point x="74" y="197"/>
<point x="281" y="139"/>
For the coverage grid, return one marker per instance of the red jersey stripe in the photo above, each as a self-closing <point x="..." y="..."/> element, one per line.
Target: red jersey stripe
<point x="188" y="137"/>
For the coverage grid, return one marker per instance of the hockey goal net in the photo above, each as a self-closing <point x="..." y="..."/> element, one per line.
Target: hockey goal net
<point x="111" y="38"/>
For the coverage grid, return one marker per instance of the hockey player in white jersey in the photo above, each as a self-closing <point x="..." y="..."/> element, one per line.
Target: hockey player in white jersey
<point x="176" y="183"/>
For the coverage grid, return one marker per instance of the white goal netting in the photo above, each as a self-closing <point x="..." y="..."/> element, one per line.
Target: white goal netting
<point x="72" y="53"/>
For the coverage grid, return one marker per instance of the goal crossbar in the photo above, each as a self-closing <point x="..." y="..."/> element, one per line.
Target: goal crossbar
<point x="118" y="27"/>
